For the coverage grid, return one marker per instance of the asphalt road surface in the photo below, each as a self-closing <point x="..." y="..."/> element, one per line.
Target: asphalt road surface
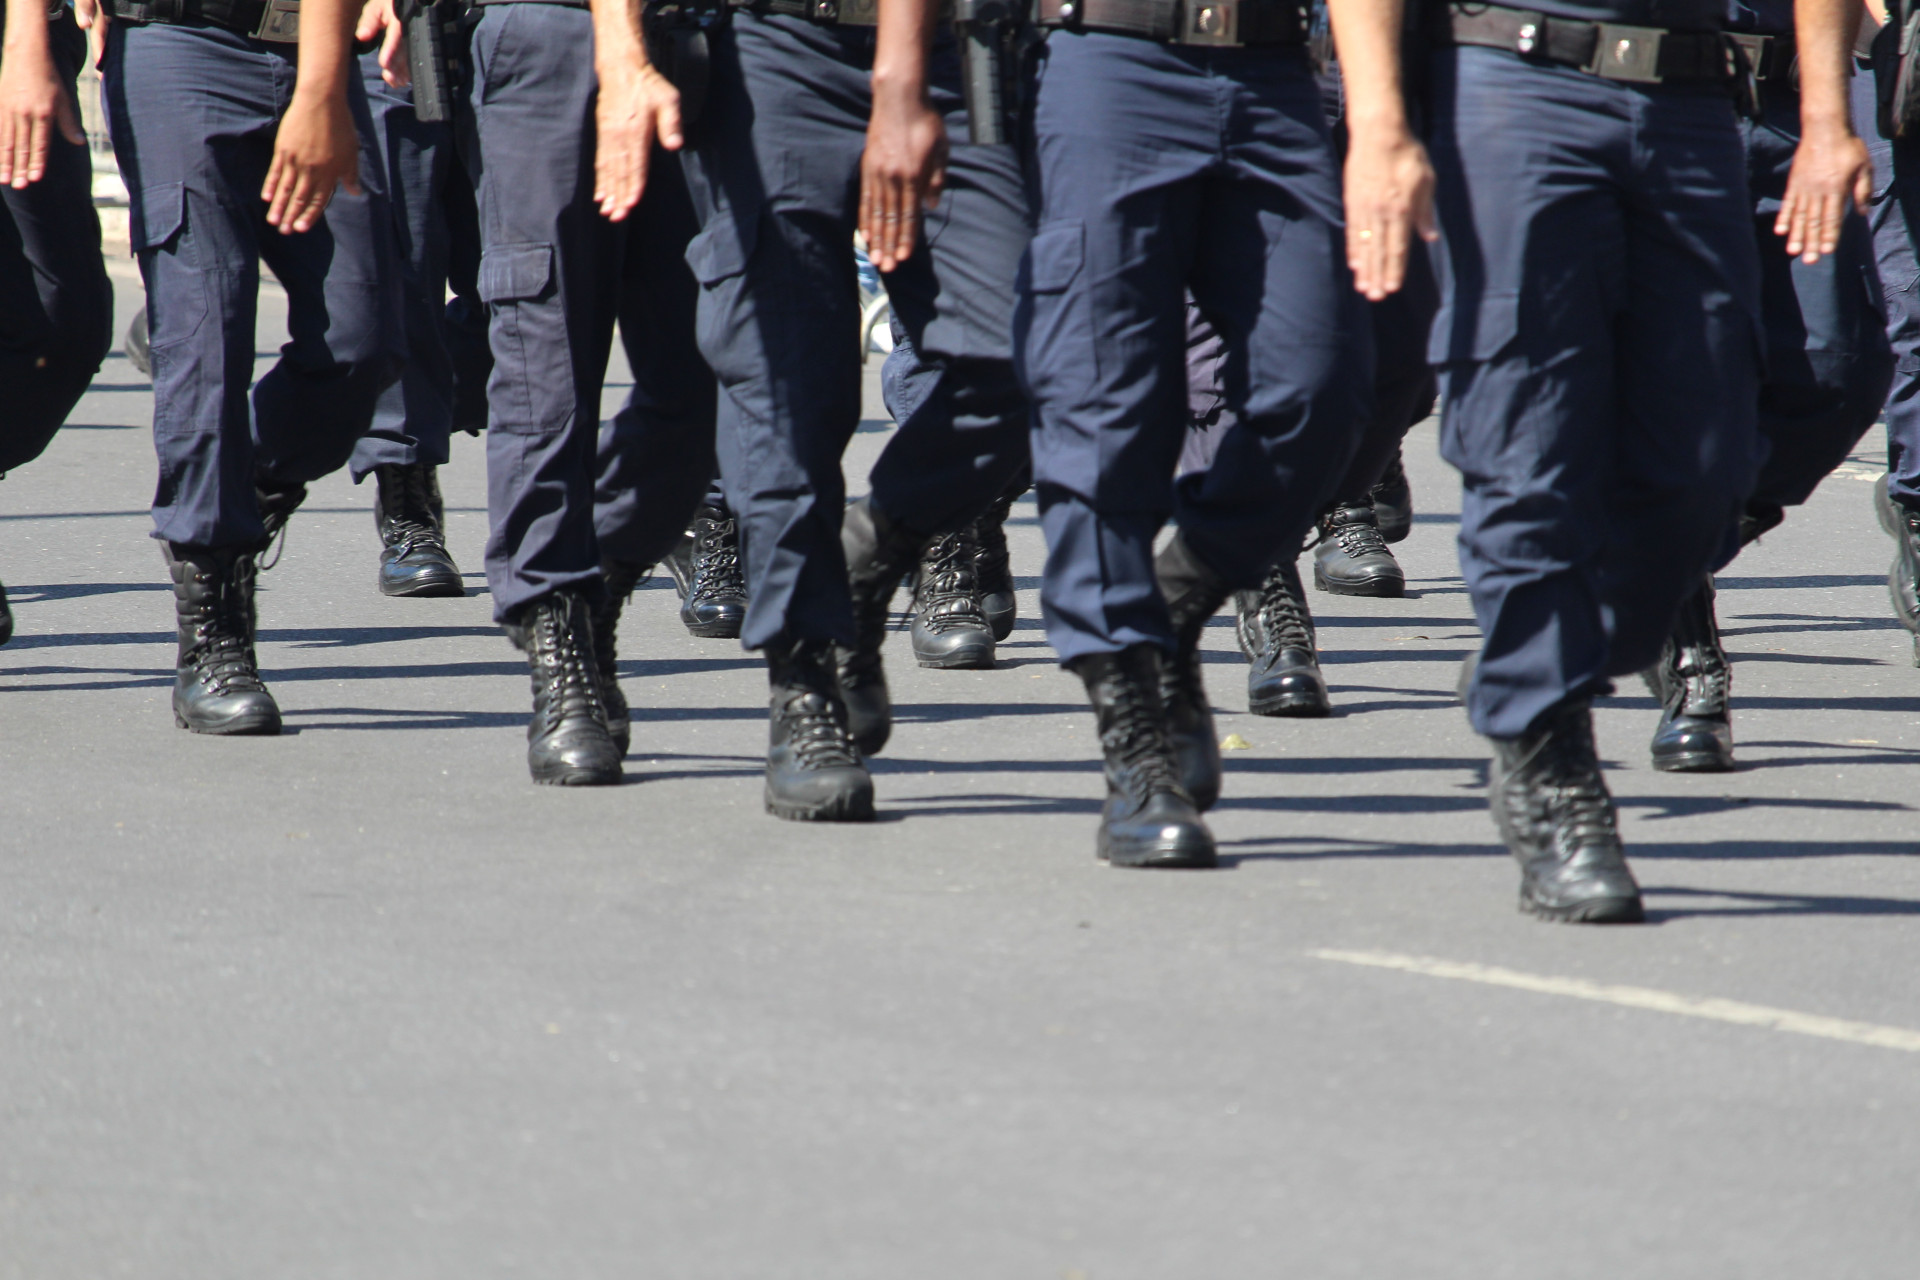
<point x="362" y="1002"/>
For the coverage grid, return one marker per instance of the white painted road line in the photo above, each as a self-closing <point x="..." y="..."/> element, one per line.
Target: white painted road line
<point x="1746" y="1015"/>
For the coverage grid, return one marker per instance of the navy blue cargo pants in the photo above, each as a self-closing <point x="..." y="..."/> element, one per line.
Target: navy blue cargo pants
<point x="1895" y="220"/>
<point x="431" y="200"/>
<point x="1827" y="363"/>
<point x="565" y="491"/>
<point x="56" y="303"/>
<point x="1162" y="171"/>
<point x="1599" y="337"/>
<point x="193" y="111"/>
<point x="1403" y="382"/>
<point x="774" y="170"/>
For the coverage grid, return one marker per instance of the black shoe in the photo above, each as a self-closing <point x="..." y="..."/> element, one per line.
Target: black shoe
<point x="216" y="685"/>
<point x="413" y="559"/>
<point x="814" y="772"/>
<point x="1194" y="593"/>
<point x="1352" y="559"/>
<point x="879" y="553"/>
<point x="706" y="571"/>
<point x="1275" y="629"/>
<point x="620" y="578"/>
<point x="1392" y="501"/>
<point x="277" y="503"/>
<point x="6" y="617"/>
<point x="994" y="567"/>
<point x="568" y="743"/>
<point x="1553" y="810"/>
<point x="1149" y="819"/>
<point x="1694" y="684"/>
<point x="950" y="632"/>
<point x="1903" y="579"/>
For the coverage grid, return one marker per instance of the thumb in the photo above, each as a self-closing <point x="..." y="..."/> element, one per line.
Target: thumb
<point x="69" y="123"/>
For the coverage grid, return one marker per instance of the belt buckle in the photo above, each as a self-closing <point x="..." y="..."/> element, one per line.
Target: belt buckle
<point x="1627" y="53"/>
<point x="280" y="24"/>
<point x="1214" y="22"/>
<point x="1755" y="47"/>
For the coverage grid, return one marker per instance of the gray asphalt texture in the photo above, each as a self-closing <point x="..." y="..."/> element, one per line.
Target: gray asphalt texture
<point x="362" y="1002"/>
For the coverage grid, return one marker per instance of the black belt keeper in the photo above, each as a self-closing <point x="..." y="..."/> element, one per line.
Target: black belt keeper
<point x="1609" y="50"/>
<point x="1207" y="23"/>
<point x="275" y="21"/>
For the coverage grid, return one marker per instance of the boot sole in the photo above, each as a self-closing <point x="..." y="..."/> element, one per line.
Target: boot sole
<point x="1695" y="762"/>
<point x="238" y="727"/>
<point x="566" y="777"/>
<point x="1159" y="857"/>
<point x="972" y="657"/>
<point x="1592" y="911"/>
<point x="856" y="808"/>
<point x="714" y="630"/>
<point x="1378" y="588"/>
<point x="426" y="589"/>
<point x="1293" y="706"/>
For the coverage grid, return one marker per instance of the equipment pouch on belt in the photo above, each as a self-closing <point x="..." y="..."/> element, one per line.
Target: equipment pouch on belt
<point x="429" y="58"/>
<point x="984" y="29"/>
<point x="677" y="43"/>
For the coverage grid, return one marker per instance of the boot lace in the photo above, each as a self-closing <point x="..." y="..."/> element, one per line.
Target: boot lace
<point x="1573" y="799"/>
<point x="410" y="522"/>
<point x="1284" y="616"/>
<point x="949" y="594"/>
<point x="815" y="732"/>
<point x="223" y="634"/>
<point x="1135" y="740"/>
<point x="1356" y="537"/>
<point x="716" y="564"/>
<point x="565" y="682"/>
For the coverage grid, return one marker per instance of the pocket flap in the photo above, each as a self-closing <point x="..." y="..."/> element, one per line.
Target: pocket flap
<point x="1473" y="332"/>
<point x="1055" y="255"/>
<point x="157" y="215"/>
<point x="721" y="251"/>
<point x="515" y="272"/>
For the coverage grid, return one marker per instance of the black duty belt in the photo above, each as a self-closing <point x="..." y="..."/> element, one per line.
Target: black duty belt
<point x="274" y="20"/>
<point x="1771" y="57"/>
<point x="842" y="13"/>
<point x="1217" y="23"/>
<point x="1610" y="50"/>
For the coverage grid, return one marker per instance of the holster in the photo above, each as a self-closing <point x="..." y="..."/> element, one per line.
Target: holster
<point x="676" y="32"/>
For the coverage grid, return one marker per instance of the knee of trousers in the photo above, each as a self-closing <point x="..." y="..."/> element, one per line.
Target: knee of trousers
<point x="1813" y="422"/>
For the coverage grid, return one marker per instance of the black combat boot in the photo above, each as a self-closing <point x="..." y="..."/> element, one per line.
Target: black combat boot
<point x="879" y="553"/>
<point x="277" y="503"/>
<point x="1903" y="580"/>
<point x="216" y="684"/>
<point x="1275" y="629"/>
<point x="1392" y="501"/>
<point x="1693" y="682"/>
<point x="1194" y="593"/>
<point x="814" y="772"/>
<point x="706" y="571"/>
<point x="1553" y="810"/>
<point x="568" y="743"/>
<point x="1149" y="819"/>
<point x="6" y="617"/>
<point x="950" y="631"/>
<point x="620" y="577"/>
<point x="994" y="568"/>
<point x="1351" y="558"/>
<point x="414" y="560"/>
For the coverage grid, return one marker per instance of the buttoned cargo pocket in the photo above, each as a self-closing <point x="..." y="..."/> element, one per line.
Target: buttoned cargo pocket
<point x="720" y="252"/>
<point x="532" y="388"/>
<point x="1476" y="334"/>
<point x="515" y="272"/>
<point x="157" y="216"/>
<point x="1055" y="257"/>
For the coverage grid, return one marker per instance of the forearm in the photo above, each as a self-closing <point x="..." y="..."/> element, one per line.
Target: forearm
<point x="1366" y="36"/>
<point x="26" y="31"/>
<point x="904" y="35"/>
<point x="326" y="47"/>
<point x="1823" y="36"/>
<point x="617" y="39"/>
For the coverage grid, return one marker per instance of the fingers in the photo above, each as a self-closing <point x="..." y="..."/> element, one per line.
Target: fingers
<point x="394" y="67"/>
<point x="39" y="135"/>
<point x="616" y="174"/>
<point x="276" y="190"/>
<point x="666" y="123"/>
<point x="70" y="122"/>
